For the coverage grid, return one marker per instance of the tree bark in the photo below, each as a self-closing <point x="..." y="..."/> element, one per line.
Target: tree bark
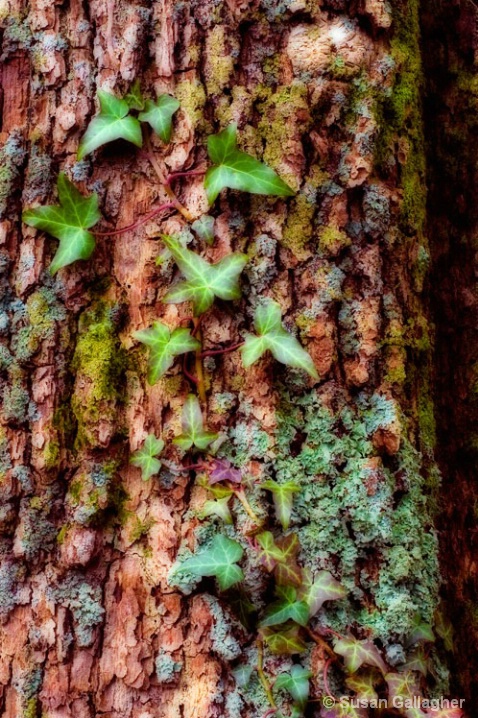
<point x="331" y="97"/>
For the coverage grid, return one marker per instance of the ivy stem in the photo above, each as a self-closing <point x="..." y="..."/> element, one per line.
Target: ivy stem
<point x="328" y="692"/>
<point x="188" y="173"/>
<point x="199" y="368"/>
<point x="188" y="373"/>
<point x="247" y="507"/>
<point x="262" y="676"/>
<point x="323" y="644"/>
<point x="135" y="225"/>
<point x="163" y="180"/>
<point x="214" y="352"/>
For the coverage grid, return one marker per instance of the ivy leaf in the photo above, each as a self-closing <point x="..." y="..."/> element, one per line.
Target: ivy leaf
<point x="363" y="684"/>
<point x="204" y="281"/>
<point x="402" y="686"/>
<point x="417" y="661"/>
<point x="163" y="346"/>
<point x="444" y="629"/>
<point x="219" y="560"/>
<point x="134" y="98"/>
<point x="296" y="683"/>
<point x="282" y="495"/>
<point x="242" y="675"/>
<point x="238" y="170"/>
<point x="223" y="470"/>
<point x="112" y="123"/>
<point x="323" y="587"/>
<point x="193" y="427"/>
<point x="274" y="338"/>
<point x="288" y="608"/>
<point x="204" y="228"/>
<point x="270" y="553"/>
<point x="68" y="222"/>
<point x="159" y="115"/>
<point x="145" y="457"/>
<point x="287" y="641"/>
<point x="287" y="570"/>
<point x="422" y="633"/>
<point x="218" y="507"/>
<point x="357" y="653"/>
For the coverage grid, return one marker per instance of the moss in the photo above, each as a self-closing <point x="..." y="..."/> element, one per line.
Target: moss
<point x="298" y="229"/>
<point x="192" y="97"/>
<point x="332" y="240"/>
<point x="31" y="710"/>
<point x="140" y="528"/>
<point x="220" y="63"/>
<point x="60" y="539"/>
<point x="51" y="454"/>
<point x="99" y="363"/>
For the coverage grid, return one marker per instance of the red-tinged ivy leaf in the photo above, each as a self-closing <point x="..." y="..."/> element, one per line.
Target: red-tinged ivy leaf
<point x="269" y="553"/>
<point x="444" y="629"/>
<point x="283" y="497"/>
<point x="287" y="608"/>
<point x="422" y="633"/>
<point x="363" y="684"/>
<point x="223" y="470"/>
<point x="285" y="642"/>
<point x="323" y="587"/>
<point x="287" y="571"/>
<point x="242" y="607"/>
<point x="358" y="653"/>
<point x="450" y="712"/>
<point x="417" y="661"/>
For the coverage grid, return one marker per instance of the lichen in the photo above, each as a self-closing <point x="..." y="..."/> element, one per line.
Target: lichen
<point x="166" y="668"/>
<point x="12" y="156"/>
<point x="192" y="97"/>
<point x="220" y="61"/>
<point x="84" y="600"/>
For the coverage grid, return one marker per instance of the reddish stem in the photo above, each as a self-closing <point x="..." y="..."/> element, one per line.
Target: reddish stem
<point x="188" y="173"/>
<point x="135" y="225"/>
<point x="213" y="352"/>
<point x="326" y="679"/>
<point x="187" y="373"/>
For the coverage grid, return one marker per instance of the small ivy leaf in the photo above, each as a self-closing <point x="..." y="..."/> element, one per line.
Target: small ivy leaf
<point x="324" y="587"/>
<point x="422" y="633"/>
<point x="242" y="675"/>
<point x="219" y="507"/>
<point x="238" y="170"/>
<point x="357" y="653"/>
<point x="219" y="560"/>
<point x="363" y="684"/>
<point x="134" y="98"/>
<point x="283" y="496"/>
<point x="288" y="608"/>
<point x="444" y="629"/>
<point x="164" y="346"/>
<point x="145" y="457"/>
<point x="112" y="123"/>
<point x="204" y="228"/>
<point x="242" y="607"/>
<point x="273" y="337"/>
<point x="223" y="470"/>
<point x="204" y="280"/>
<point x="270" y="553"/>
<point x="417" y="661"/>
<point x="287" y="570"/>
<point x="287" y="641"/>
<point x="159" y="115"/>
<point x="402" y="686"/>
<point x="296" y="683"/>
<point x="68" y="222"/>
<point x="193" y="428"/>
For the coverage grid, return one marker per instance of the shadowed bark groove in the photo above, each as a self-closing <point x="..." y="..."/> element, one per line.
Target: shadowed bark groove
<point x="330" y="97"/>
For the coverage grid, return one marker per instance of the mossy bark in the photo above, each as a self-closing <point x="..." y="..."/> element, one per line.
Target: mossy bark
<point x="331" y="98"/>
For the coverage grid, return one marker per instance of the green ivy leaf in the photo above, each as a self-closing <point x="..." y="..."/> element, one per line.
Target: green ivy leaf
<point x="363" y="684"/>
<point x="219" y="560"/>
<point x="163" y="346"/>
<point x="324" y="587"/>
<point x="283" y="496"/>
<point x="68" y="222"/>
<point x="159" y="115"/>
<point x="193" y="428"/>
<point x="287" y="641"/>
<point x="204" y="228"/>
<point x="112" y="123"/>
<point x="274" y="338"/>
<point x="238" y="170"/>
<point x="422" y="633"/>
<point x="218" y="507"/>
<point x="417" y="661"/>
<point x="204" y="281"/>
<point x="287" y="608"/>
<point x="288" y="571"/>
<point x="357" y="653"/>
<point x="242" y="675"/>
<point x="296" y="682"/>
<point x="145" y="457"/>
<point x="134" y="98"/>
<point x="269" y="553"/>
<point x="444" y="629"/>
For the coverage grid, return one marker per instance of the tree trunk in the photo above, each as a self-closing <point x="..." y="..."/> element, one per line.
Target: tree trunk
<point x="331" y="98"/>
